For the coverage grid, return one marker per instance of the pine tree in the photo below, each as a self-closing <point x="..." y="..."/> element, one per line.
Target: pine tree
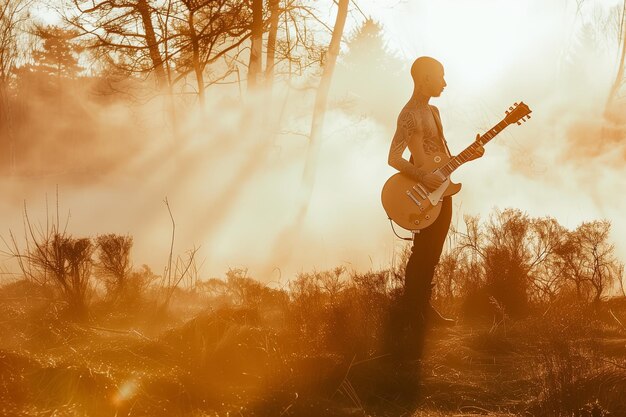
<point x="366" y="47"/>
<point x="59" y="55"/>
<point x="373" y="80"/>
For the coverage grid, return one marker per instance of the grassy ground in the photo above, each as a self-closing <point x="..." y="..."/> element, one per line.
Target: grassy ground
<point x="235" y="361"/>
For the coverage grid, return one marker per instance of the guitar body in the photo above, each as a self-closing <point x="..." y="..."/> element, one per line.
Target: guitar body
<point x="410" y="204"/>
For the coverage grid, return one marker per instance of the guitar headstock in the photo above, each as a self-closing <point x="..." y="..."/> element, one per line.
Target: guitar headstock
<point x="517" y="113"/>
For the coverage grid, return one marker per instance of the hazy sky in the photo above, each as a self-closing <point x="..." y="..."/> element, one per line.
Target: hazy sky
<point x="560" y="163"/>
<point x="498" y="52"/>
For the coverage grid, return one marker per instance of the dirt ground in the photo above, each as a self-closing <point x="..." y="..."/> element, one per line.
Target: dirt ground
<point x="224" y="363"/>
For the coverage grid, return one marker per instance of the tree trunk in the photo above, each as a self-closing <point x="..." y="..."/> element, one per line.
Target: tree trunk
<point x="153" y="45"/>
<point x="271" y="44"/>
<point x="620" y="278"/>
<point x="4" y="120"/>
<point x="321" y="99"/>
<point x="6" y="125"/>
<point x="197" y="66"/>
<point x="283" y="247"/>
<point x="619" y="78"/>
<point x="256" y="36"/>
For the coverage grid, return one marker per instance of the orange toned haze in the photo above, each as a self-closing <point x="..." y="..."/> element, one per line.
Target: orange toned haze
<point x="233" y="180"/>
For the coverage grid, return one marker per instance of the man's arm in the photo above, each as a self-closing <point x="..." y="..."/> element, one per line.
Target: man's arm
<point x="407" y="126"/>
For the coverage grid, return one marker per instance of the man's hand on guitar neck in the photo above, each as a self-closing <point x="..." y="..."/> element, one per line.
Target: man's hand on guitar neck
<point x="477" y="149"/>
<point x="432" y="181"/>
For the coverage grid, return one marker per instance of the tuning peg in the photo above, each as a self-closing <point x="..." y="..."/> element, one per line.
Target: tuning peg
<point x="519" y="123"/>
<point x="511" y="108"/>
<point x="528" y="116"/>
<point x="507" y="112"/>
<point x="515" y="104"/>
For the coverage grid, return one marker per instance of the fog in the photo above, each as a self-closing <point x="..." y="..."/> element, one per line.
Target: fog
<point x="233" y="175"/>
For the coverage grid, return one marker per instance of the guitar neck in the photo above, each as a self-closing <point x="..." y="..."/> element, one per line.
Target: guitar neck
<point x="464" y="156"/>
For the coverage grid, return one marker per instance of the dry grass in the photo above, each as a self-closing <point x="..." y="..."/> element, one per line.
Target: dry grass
<point x="267" y="355"/>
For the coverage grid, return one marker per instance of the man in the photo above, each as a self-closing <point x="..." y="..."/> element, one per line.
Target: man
<point x="419" y="128"/>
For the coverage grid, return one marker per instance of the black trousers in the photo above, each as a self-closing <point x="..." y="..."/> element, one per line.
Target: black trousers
<point x="418" y="277"/>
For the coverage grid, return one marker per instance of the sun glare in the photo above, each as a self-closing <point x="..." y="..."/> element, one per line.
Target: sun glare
<point x="476" y="43"/>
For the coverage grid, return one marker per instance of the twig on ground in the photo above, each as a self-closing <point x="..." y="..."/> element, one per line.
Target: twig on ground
<point x="617" y="320"/>
<point x="133" y="331"/>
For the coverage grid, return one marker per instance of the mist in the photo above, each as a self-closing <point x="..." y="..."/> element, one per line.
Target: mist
<point x="567" y="160"/>
<point x="232" y="170"/>
<point x="251" y="289"/>
<point x="231" y="179"/>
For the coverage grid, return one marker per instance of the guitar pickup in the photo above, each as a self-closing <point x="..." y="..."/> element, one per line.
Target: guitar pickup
<point x="421" y="191"/>
<point x="412" y="197"/>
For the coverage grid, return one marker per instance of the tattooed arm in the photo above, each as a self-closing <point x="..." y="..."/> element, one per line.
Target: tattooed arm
<point x="406" y="128"/>
<point x="409" y="127"/>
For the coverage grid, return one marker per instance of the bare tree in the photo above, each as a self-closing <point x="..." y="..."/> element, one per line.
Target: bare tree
<point x="13" y="16"/>
<point x="545" y="272"/>
<point x="295" y="44"/>
<point x="321" y="98"/>
<point x="291" y="231"/>
<point x="511" y="257"/>
<point x="599" y="256"/>
<point x="256" y="32"/>
<point x="589" y="259"/>
<point x="205" y="31"/>
<point x="619" y="276"/>
<point x="619" y="76"/>
<point x="271" y="42"/>
<point x="131" y="36"/>
<point x="123" y="32"/>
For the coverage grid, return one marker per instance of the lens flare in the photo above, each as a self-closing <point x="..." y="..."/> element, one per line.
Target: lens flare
<point x="125" y="392"/>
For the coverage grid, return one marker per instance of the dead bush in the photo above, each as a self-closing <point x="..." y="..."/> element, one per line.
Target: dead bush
<point x="114" y="265"/>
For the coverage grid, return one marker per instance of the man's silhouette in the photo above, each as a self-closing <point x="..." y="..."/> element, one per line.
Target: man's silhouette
<point x="419" y="128"/>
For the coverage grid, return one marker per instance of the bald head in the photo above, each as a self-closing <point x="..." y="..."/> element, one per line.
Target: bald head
<point x="424" y="66"/>
<point x="428" y="76"/>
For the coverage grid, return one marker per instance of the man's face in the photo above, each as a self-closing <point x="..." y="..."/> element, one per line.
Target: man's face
<point x="435" y="82"/>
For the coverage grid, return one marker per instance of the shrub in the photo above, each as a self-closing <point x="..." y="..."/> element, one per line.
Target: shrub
<point x="114" y="264"/>
<point x="63" y="262"/>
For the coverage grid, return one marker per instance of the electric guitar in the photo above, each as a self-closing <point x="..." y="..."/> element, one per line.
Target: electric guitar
<point x="411" y="205"/>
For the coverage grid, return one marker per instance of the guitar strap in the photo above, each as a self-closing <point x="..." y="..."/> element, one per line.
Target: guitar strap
<point x="440" y="129"/>
<point x="445" y="144"/>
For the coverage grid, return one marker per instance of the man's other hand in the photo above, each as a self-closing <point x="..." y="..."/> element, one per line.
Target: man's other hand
<point x="477" y="151"/>
<point x="432" y="181"/>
